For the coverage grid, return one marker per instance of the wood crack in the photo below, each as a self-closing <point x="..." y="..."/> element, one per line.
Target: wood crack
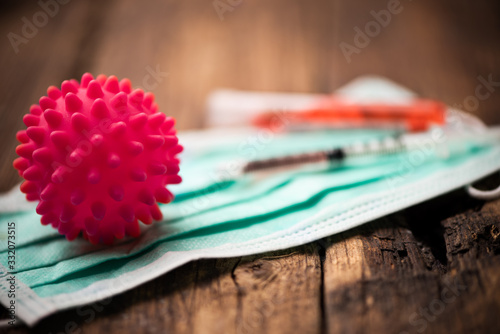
<point x="239" y="295"/>
<point x="322" y="258"/>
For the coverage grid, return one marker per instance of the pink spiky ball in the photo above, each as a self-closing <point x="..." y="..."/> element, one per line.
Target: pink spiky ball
<point x="98" y="156"/>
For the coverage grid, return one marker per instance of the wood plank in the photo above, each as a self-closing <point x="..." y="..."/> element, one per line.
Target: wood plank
<point x="280" y="292"/>
<point x="416" y="271"/>
<point x="52" y="55"/>
<point x="273" y="292"/>
<point x="294" y="46"/>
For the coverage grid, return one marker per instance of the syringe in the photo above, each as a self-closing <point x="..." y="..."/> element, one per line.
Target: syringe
<point x="443" y="144"/>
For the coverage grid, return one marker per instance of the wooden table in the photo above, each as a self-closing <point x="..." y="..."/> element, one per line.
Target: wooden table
<point x="433" y="268"/>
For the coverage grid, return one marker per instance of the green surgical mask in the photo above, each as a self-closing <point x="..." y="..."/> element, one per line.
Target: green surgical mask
<point x="216" y="214"/>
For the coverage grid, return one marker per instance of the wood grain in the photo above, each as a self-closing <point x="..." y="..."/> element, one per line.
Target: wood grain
<point x="393" y="275"/>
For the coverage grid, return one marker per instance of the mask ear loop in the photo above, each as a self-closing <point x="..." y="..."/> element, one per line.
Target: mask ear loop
<point x="485" y="195"/>
<point x="458" y="118"/>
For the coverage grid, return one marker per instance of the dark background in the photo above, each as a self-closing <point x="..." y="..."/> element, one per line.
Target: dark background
<point x="371" y="279"/>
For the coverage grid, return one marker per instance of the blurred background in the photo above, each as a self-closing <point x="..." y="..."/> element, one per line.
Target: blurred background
<point x="182" y="50"/>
